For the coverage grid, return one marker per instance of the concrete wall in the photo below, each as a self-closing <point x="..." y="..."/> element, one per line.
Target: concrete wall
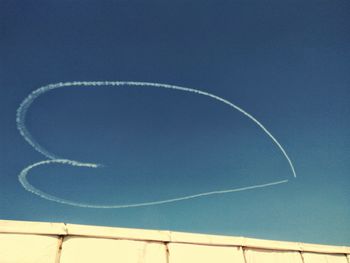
<point x="29" y="242"/>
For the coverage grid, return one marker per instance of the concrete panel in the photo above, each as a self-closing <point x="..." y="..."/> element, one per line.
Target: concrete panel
<point x="118" y="233"/>
<point x="272" y="256"/>
<point x="202" y="239"/>
<point x="188" y="253"/>
<point x="324" y="258"/>
<point x="15" y="248"/>
<point x="28" y="227"/>
<point x="92" y="250"/>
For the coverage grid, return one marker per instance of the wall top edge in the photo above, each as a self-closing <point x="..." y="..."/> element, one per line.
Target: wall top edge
<point x="47" y="228"/>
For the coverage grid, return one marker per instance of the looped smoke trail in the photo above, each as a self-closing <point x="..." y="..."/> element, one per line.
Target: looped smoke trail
<point x="25" y="105"/>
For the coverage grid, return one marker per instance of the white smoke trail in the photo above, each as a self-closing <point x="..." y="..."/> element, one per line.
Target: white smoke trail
<point x="31" y="188"/>
<point x="21" y="116"/>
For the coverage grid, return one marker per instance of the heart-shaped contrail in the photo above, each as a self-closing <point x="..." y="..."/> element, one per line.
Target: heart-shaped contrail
<point x="25" y="105"/>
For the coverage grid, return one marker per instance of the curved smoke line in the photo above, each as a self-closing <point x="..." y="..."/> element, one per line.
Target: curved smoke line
<point x="32" y="189"/>
<point x="25" y="105"/>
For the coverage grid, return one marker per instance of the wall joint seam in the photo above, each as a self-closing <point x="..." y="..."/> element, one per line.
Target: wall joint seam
<point x="167" y="257"/>
<point x="59" y="248"/>
<point x="244" y="255"/>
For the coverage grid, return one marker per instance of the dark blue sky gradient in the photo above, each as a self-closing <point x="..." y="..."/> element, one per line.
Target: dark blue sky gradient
<point x="285" y="62"/>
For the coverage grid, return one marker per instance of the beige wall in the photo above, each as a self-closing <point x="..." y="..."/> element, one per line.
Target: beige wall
<point x="29" y="242"/>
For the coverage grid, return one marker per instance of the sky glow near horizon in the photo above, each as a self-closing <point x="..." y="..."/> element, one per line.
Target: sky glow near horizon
<point x="286" y="64"/>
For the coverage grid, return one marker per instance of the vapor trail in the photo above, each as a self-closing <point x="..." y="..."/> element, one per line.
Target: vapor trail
<point x="23" y="180"/>
<point x="25" y="105"/>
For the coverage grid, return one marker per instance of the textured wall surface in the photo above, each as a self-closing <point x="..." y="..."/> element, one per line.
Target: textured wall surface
<point x="29" y="242"/>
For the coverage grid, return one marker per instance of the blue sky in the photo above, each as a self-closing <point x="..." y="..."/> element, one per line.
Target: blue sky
<point x="285" y="63"/>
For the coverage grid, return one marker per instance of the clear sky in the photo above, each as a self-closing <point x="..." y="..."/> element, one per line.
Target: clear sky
<point x="285" y="62"/>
